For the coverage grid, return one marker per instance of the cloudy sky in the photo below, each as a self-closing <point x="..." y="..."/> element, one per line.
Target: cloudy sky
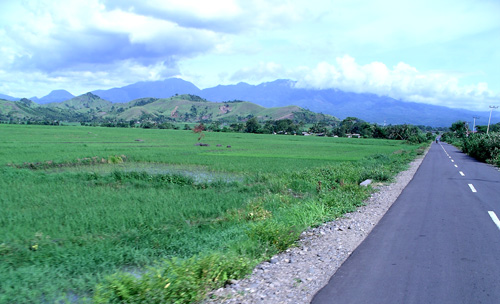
<point x="444" y="52"/>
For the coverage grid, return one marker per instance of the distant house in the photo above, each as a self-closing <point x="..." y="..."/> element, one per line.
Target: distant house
<point x="353" y="135"/>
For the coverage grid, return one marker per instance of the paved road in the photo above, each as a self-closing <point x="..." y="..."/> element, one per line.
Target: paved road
<point x="438" y="243"/>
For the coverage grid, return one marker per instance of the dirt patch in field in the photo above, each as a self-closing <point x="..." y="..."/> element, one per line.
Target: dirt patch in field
<point x="288" y="116"/>
<point x="224" y="109"/>
<point x="174" y="112"/>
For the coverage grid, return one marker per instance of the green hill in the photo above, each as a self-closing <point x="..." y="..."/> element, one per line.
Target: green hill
<point x="190" y="108"/>
<point x="83" y="104"/>
<point x="180" y="108"/>
<point x="26" y="110"/>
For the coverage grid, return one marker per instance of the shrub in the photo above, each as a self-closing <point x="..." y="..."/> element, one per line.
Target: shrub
<point x="174" y="280"/>
<point x="484" y="147"/>
<point x="115" y="160"/>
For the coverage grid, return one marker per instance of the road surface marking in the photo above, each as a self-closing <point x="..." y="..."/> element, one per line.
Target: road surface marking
<point x="456" y="166"/>
<point x="452" y="161"/>
<point x="494" y="218"/>
<point x="471" y="186"/>
<point x="461" y="173"/>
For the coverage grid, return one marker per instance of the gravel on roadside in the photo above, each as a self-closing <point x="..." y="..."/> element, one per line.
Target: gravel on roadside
<point x="296" y="275"/>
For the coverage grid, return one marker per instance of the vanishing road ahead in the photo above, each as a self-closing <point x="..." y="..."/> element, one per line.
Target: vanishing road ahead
<point x="438" y="243"/>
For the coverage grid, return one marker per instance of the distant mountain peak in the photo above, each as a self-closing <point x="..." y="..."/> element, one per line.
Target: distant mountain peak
<point x="63" y="93"/>
<point x="156" y="89"/>
<point x="91" y="95"/>
<point x="27" y="102"/>
<point x="55" y="96"/>
<point x="59" y="92"/>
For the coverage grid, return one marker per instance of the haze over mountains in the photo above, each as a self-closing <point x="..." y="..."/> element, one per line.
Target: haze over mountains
<point x="279" y="93"/>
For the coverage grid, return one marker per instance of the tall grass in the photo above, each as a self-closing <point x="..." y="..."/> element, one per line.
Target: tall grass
<point x="84" y="234"/>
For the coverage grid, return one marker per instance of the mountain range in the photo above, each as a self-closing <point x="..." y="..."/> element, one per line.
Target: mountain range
<point x="280" y="93"/>
<point x="90" y="108"/>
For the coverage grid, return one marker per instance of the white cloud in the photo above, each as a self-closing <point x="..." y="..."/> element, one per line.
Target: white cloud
<point x="40" y="83"/>
<point x="199" y="9"/>
<point x="255" y="41"/>
<point x="401" y="82"/>
<point x="262" y="72"/>
<point x="57" y="35"/>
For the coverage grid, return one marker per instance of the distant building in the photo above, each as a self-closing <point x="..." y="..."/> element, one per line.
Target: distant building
<point x="353" y="135"/>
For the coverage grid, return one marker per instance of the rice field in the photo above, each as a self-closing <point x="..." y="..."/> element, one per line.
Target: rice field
<point x="86" y="209"/>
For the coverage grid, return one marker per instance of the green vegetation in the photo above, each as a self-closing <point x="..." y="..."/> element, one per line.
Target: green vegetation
<point x="90" y="109"/>
<point x="482" y="146"/>
<point x="145" y="215"/>
<point x="185" y="111"/>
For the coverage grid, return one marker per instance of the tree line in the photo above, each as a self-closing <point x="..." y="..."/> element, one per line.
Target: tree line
<point x="482" y="144"/>
<point x="349" y="127"/>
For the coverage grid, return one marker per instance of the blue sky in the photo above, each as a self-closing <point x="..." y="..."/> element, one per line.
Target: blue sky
<point x="434" y="51"/>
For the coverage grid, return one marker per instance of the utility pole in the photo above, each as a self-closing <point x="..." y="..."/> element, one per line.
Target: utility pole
<point x="489" y="120"/>
<point x="474" y="125"/>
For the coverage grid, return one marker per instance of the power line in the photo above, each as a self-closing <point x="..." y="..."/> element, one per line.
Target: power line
<point x="491" y="111"/>
<point x="474" y="125"/>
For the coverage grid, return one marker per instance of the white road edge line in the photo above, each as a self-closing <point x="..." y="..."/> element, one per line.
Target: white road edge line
<point x="494" y="218"/>
<point x="461" y="173"/>
<point x="471" y="186"/>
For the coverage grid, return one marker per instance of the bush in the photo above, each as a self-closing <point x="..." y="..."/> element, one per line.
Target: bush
<point x="174" y="281"/>
<point x="483" y="147"/>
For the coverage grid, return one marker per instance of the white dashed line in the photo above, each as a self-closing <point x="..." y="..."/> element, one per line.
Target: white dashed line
<point x="494" y="218"/>
<point x="456" y="166"/>
<point x="461" y="173"/>
<point x="471" y="186"/>
<point x="452" y="161"/>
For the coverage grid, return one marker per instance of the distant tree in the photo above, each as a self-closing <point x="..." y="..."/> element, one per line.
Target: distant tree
<point x="349" y="125"/>
<point x="459" y="128"/>
<point x="237" y="127"/>
<point x="269" y="127"/>
<point x="365" y="129"/>
<point x="493" y="128"/>
<point x="194" y="111"/>
<point x="319" y="127"/>
<point x="379" y="132"/>
<point x="199" y="130"/>
<point x="252" y="125"/>
<point x="214" y="126"/>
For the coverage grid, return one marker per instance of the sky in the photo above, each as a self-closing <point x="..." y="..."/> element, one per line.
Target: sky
<point x="442" y="52"/>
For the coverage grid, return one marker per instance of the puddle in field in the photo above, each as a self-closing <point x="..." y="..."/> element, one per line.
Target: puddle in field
<point x="198" y="173"/>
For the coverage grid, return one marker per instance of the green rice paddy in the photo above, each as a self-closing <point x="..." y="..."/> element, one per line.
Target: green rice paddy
<point x="86" y="209"/>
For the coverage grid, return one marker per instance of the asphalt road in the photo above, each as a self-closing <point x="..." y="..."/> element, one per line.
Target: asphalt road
<point x="438" y="243"/>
